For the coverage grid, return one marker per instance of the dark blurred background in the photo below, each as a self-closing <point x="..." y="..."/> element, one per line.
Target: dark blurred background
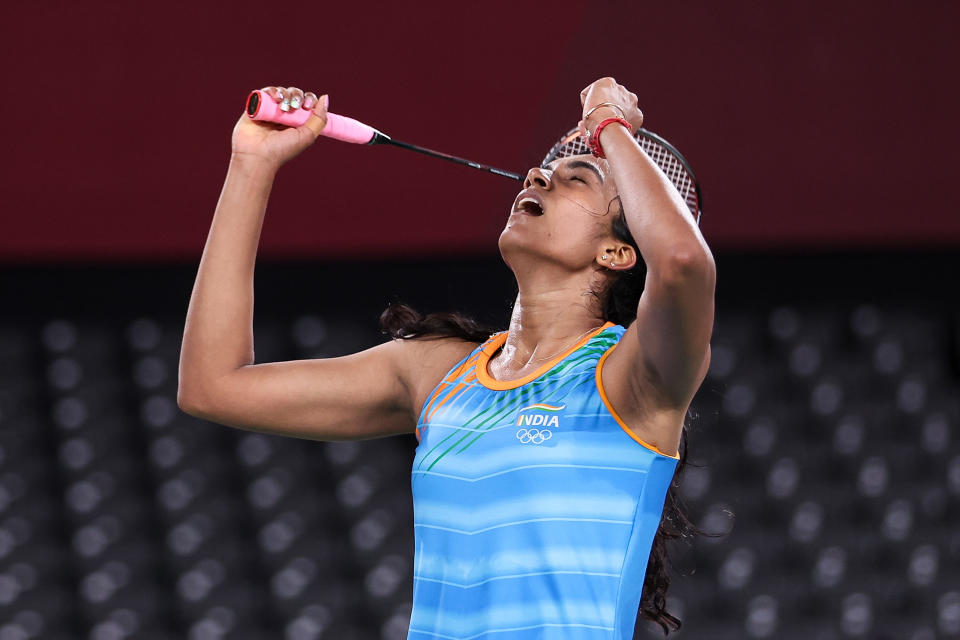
<point x="824" y="440"/>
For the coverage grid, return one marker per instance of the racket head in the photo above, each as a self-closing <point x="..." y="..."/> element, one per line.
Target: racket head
<point x="664" y="154"/>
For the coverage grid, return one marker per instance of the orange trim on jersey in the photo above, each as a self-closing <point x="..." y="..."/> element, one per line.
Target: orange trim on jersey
<point x="457" y="389"/>
<point x="431" y="410"/>
<point x="448" y="380"/>
<point x="453" y="375"/>
<point x="501" y="385"/>
<point x="616" y="416"/>
<point x="443" y="386"/>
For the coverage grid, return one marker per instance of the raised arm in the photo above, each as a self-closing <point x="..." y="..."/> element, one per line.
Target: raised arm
<point x="664" y="355"/>
<point x="373" y="393"/>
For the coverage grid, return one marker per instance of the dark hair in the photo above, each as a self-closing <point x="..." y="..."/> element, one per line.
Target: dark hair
<point x="619" y="303"/>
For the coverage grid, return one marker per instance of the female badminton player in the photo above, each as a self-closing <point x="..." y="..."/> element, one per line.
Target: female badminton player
<point x="544" y="473"/>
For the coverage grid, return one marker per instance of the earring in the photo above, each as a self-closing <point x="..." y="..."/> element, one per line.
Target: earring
<point x="603" y="257"/>
<point x="613" y="264"/>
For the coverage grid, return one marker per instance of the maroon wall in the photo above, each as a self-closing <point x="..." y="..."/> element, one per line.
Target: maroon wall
<point x="819" y="124"/>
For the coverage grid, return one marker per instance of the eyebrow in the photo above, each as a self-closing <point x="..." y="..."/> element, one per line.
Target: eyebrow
<point x="580" y="164"/>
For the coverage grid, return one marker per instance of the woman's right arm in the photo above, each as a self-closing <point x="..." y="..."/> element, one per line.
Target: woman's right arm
<point x="370" y="394"/>
<point x="373" y="393"/>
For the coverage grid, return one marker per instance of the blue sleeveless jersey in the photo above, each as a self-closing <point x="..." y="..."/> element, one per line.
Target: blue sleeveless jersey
<point x="535" y="506"/>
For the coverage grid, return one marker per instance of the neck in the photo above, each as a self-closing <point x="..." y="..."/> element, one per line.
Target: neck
<point x="549" y="316"/>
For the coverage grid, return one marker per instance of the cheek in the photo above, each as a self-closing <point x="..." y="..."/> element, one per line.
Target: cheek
<point x="578" y="233"/>
<point x="587" y="204"/>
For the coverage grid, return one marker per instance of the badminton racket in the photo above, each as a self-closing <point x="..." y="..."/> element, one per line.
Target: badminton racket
<point x="261" y="106"/>
<point x="664" y="154"/>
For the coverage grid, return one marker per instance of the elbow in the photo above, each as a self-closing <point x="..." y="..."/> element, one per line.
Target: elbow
<point x="187" y="401"/>
<point x="195" y="389"/>
<point x="690" y="265"/>
<point x="192" y="402"/>
<point x="201" y="395"/>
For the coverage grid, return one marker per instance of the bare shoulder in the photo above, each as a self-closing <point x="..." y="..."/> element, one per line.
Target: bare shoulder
<point x="423" y="363"/>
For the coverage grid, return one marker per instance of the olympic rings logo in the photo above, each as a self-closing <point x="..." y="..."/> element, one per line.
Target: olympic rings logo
<point x="534" y="436"/>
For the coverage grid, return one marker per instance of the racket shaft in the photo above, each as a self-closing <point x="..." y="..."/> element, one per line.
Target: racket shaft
<point x="463" y="161"/>
<point x="260" y="106"/>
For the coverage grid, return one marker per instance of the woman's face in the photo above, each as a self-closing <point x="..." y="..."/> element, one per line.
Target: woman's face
<point x="563" y="214"/>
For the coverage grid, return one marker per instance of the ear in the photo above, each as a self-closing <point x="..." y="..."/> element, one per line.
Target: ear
<point x="618" y="257"/>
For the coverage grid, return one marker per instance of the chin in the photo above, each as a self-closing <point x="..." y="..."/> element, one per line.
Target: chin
<point x="505" y="245"/>
<point x="529" y="253"/>
<point x="515" y="237"/>
<point x="514" y="248"/>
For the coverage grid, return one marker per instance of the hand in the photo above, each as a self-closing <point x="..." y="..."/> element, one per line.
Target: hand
<point x="275" y="143"/>
<point x="607" y="90"/>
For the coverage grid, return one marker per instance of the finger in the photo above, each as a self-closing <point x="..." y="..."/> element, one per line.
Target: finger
<point x="296" y="97"/>
<point x="273" y="92"/>
<point x="309" y="100"/>
<point x="286" y="93"/>
<point x="318" y="120"/>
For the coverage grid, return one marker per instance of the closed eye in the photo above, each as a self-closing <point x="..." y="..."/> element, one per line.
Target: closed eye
<point x="574" y="165"/>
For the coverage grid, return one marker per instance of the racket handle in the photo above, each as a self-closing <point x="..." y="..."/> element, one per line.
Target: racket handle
<point x="260" y="106"/>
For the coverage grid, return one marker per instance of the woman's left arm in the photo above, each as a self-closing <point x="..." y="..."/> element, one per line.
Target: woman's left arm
<point x="668" y="347"/>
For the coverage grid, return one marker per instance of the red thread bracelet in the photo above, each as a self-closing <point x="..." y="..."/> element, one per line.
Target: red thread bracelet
<point x="593" y="142"/>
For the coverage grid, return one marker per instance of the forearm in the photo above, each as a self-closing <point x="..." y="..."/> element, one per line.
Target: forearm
<point x="218" y="334"/>
<point x="656" y="214"/>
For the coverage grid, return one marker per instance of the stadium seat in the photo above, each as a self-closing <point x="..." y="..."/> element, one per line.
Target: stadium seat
<point x="822" y="448"/>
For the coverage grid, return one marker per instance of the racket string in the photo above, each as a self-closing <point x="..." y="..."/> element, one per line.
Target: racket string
<point x="674" y="168"/>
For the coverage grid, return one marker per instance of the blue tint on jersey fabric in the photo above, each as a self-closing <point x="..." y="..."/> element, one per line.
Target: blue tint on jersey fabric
<point x="534" y="509"/>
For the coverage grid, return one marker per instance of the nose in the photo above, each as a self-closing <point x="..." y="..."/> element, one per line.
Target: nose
<point x="539" y="177"/>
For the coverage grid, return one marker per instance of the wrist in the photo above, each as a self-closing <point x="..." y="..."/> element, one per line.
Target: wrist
<point x="606" y="137"/>
<point x="253" y="164"/>
<point x="593" y="141"/>
<point x="599" y="115"/>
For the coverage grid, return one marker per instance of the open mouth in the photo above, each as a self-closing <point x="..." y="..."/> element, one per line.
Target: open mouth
<point x="530" y="206"/>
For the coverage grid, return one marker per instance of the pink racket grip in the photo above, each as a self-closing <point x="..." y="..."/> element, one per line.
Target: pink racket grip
<point x="260" y="106"/>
